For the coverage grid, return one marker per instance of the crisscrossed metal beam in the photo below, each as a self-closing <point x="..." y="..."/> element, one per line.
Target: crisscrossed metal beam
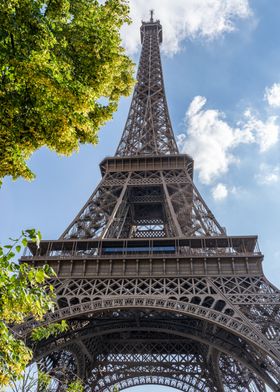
<point x="152" y="287"/>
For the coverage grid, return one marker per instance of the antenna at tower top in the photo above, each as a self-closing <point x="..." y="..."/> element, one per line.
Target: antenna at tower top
<point x="152" y="16"/>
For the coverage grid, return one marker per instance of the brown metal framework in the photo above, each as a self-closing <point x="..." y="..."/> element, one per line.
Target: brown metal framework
<point x="153" y="289"/>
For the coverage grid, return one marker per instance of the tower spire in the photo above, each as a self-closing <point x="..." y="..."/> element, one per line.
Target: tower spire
<point x="148" y="129"/>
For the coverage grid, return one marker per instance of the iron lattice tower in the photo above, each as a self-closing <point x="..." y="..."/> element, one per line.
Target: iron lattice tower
<point x="153" y="289"/>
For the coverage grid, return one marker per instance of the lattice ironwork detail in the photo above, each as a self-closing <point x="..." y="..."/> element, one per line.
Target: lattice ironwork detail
<point x="148" y="129"/>
<point x="166" y="202"/>
<point x="155" y="344"/>
<point x="153" y="289"/>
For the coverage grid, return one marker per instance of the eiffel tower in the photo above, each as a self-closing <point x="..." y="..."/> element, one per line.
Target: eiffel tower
<point x="152" y="287"/>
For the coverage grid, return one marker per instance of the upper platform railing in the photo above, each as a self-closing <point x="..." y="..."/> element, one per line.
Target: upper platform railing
<point x="188" y="247"/>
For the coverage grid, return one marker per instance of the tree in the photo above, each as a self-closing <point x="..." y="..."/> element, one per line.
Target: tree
<point x="23" y="293"/>
<point x="34" y="380"/>
<point x="62" y="71"/>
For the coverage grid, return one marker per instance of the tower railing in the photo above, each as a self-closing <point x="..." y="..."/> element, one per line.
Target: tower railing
<point x="222" y="246"/>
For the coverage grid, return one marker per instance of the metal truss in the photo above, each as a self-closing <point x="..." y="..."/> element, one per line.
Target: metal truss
<point x="153" y="289"/>
<point x="148" y="129"/>
<point x="137" y="345"/>
<point x="210" y="311"/>
<point x="144" y="204"/>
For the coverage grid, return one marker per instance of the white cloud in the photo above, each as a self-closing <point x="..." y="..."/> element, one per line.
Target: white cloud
<point x="266" y="133"/>
<point x="185" y="18"/>
<point x="268" y="174"/>
<point x="211" y="141"/>
<point x="220" y="192"/>
<point x="272" y="95"/>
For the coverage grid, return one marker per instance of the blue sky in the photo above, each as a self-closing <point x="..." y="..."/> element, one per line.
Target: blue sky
<point x="222" y="77"/>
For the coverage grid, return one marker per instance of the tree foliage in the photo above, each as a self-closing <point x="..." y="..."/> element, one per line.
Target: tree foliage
<point x="62" y="71"/>
<point x="23" y="293"/>
<point x="45" y="332"/>
<point x="34" y="380"/>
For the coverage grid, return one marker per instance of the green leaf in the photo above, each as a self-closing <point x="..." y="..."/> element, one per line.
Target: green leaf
<point x="24" y="242"/>
<point x="31" y="233"/>
<point x="40" y="276"/>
